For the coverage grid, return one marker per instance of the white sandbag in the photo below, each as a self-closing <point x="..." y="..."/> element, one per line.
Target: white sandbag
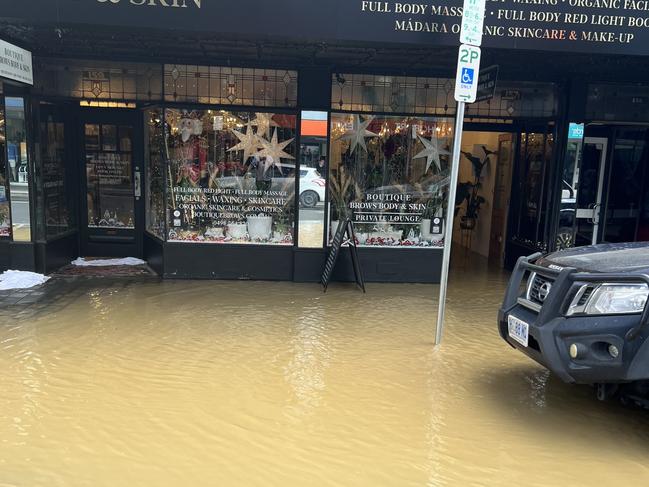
<point x="20" y="280"/>
<point x="81" y="262"/>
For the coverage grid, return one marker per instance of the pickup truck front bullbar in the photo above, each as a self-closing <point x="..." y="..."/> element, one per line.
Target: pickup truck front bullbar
<point x="566" y="280"/>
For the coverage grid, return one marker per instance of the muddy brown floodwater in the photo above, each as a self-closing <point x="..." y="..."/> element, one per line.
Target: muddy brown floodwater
<point x="275" y="384"/>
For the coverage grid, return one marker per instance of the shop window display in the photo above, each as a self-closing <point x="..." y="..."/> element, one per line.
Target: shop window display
<point x="155" y="172"/>
<point x="389" y="175"/>
<point x="231" y="177"/>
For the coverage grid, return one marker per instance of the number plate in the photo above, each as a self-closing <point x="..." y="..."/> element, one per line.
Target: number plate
<point x="518" y="330"/>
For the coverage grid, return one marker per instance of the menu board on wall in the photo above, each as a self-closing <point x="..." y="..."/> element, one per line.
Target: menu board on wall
<point x="596" y="26"/>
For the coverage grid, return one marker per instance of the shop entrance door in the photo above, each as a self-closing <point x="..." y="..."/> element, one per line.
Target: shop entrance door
<point x="626" y="193"/>
<point x="111" y="184"/>
<point x="588" y="198"/>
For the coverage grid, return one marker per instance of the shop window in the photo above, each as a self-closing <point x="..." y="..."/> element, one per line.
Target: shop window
<point x="521" y="99"/>
<point x="536" y="150"/>
<point x="230" y="86"/>
<point x="155" y="172"/>
<point x="5" y="215"/>
<point x="616" y="102"/>
<point x="54" y="195"/>
<point x="314" y="128"/>
<point x="19" y="172"/>
<point x="231" y="176"/>
<point x="99" y="80"/>
<point x="434" y="96"/>
<point x="396" y="94"/>
<point x="389" y="175"/>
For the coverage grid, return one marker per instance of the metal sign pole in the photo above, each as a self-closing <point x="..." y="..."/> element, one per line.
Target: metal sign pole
<point x="466" y="89"/>
<point x="450" y="213"/>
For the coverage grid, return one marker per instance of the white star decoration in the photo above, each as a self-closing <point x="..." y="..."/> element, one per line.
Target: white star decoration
<point x="358" y="133"/>
<point x="248" y="142"/>
<point x="264" y="122"/>
<point x="431" y="152"/>
<point x="275" y="149"/>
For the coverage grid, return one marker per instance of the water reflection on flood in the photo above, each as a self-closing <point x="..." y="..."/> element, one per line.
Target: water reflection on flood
<point x="243" y="383"/>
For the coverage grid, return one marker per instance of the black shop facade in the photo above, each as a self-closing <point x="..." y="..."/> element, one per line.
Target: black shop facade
<point x="232" y="149"/>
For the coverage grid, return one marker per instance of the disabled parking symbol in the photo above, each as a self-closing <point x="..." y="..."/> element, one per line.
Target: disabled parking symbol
<point x="467" y="76"/>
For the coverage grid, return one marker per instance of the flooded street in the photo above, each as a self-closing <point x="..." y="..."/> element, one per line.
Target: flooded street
<point x="252" y="383"/>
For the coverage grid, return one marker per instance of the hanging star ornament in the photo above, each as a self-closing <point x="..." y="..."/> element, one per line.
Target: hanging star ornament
<point x="248" y="142"/>
<point x="431" y="152"/>
<point x="275" y="150"/>
<point x="263" y="122"/>
<point x="359" y="133"/>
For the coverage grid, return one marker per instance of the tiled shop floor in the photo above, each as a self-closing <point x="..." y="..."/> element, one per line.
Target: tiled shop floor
<point x="57" y="293"/>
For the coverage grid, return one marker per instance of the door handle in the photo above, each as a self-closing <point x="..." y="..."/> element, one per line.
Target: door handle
<point x="591" y="207"/>
<point x="596" y="213"/>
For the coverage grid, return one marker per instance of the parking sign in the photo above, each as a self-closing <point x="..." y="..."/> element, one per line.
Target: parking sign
<point x="466" y="78"/>
<point x="472" y="22"/>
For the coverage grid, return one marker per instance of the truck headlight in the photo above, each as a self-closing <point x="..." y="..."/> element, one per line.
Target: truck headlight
<point x="606" y="299"/>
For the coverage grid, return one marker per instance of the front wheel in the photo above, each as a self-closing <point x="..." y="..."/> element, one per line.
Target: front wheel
<point x="309" y="198"/>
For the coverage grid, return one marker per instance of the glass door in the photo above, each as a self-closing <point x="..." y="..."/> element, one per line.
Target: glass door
<point x="111" y="215"/>
<point x="626" y="189"/>
<point x="501" y="198"/>
<point x="589" y="191"/>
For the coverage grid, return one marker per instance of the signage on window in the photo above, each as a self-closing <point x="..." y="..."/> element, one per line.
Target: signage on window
<point x="576" y="131"/>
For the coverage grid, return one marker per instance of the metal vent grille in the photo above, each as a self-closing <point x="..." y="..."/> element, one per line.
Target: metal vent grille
<point x="538" y="288"/>
<point x="585" y="296"/>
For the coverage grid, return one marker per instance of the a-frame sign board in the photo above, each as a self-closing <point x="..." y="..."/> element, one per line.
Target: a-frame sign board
<point x="344" y="235"/>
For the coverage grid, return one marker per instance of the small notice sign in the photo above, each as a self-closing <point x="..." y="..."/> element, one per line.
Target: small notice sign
<point x="487" y="83"/>
<point x="344" y="235"/>
<point x="16" y="63"/>
<point x="576" y="131"/>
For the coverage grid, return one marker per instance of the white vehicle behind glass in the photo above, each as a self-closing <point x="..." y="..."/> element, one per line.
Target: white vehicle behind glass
<point x="312" y="187"/>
